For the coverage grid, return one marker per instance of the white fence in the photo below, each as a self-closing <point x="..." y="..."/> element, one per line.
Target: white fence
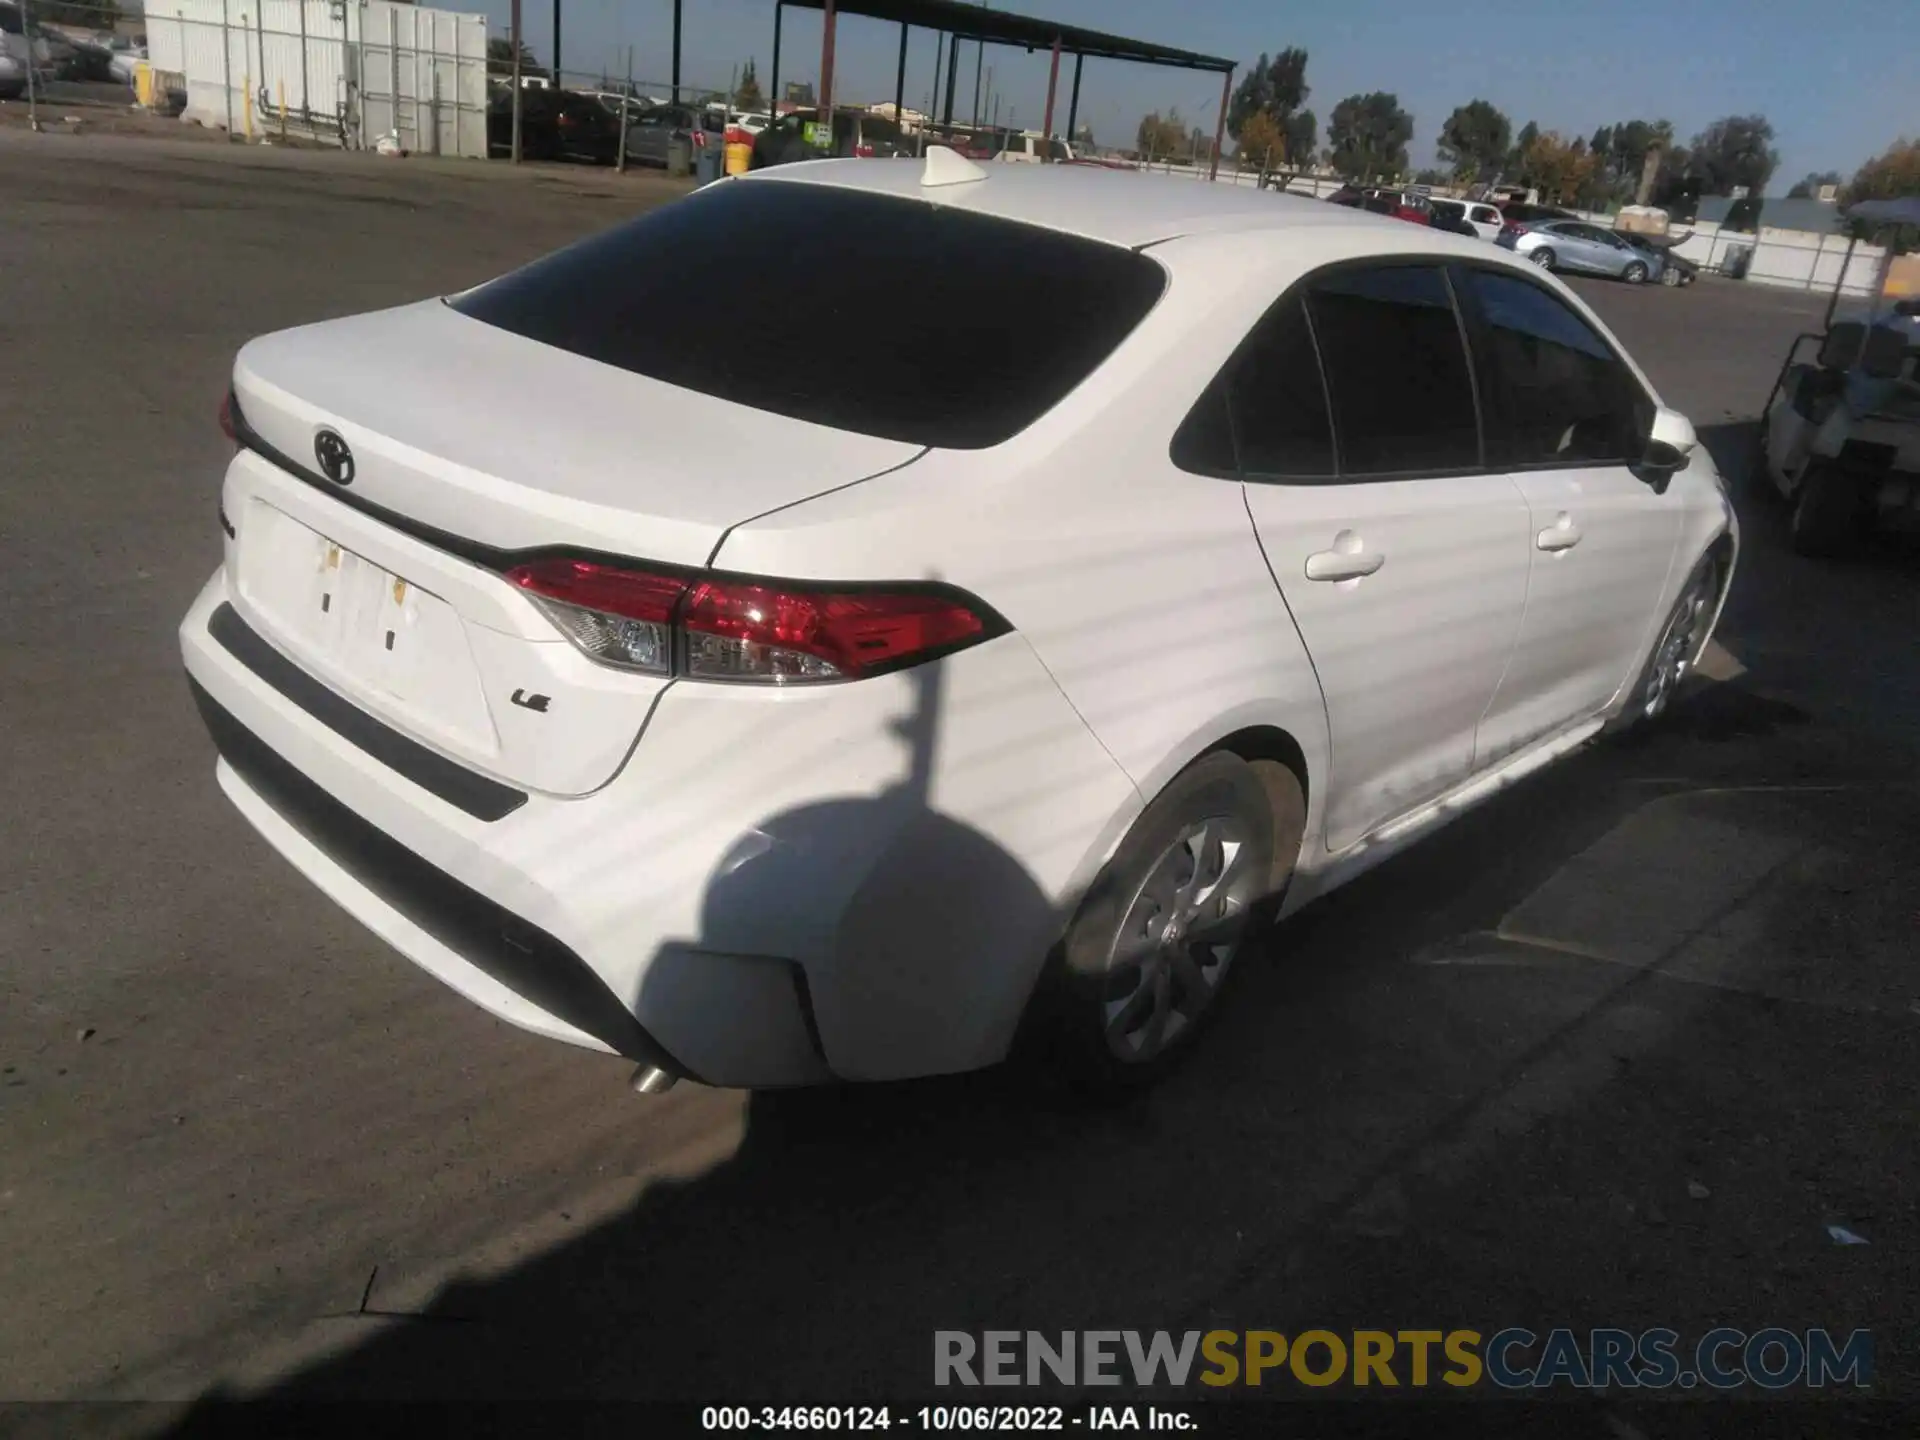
<point x="347" y="71"/>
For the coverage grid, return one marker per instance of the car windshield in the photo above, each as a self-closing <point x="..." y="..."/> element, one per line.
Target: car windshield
<point x="871" y="313"/>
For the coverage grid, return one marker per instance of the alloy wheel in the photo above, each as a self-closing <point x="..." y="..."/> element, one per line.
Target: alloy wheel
<point x="1542" y="258"/>
<point x="1180" y="935"/>
<point x="1674" y="658"/>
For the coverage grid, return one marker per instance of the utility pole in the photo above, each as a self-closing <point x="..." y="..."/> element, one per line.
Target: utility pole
<point x="979" y="56"/>
<point x="513" y="25"/>
<point x="33" y="98"/>
<point x="558" y="83"/>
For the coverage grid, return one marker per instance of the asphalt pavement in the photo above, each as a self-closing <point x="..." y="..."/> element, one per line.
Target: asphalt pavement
<point x="1616" y="1049"/>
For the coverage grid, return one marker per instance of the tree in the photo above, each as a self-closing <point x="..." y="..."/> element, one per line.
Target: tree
<point x="1623" y="156"/>
<point x="1262" y="143"/>
<point x="1302" y="131"/>
<point x="1276" y="87"/>
<point x="1734" y="151"/>
<point x="1368" y="136"/>
<point x="1160" y="136"/>
<point x="1430" y="177"/>
<point x="1199" y="146"/>
<point x="1529" y="132"/>
<point x="746" y="94"/>
<point x="1555" y="168"/>
<point x="500" y="58"/>
<point x="1810" y="187"/>
<point x="1475" y="140"/>
<point x="1888" y="176"/>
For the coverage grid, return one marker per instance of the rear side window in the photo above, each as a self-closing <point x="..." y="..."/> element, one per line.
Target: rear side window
<point x="1557" y="394"/>
<point x="1278" y="405"/>
<point x="877" y="314"/>
<point x="1396" y="370"/>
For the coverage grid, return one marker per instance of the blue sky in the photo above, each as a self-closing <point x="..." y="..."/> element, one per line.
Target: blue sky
<point x="1836" y="78"/>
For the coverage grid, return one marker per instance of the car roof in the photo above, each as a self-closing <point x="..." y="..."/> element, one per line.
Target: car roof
<point x="1126" y="208"/>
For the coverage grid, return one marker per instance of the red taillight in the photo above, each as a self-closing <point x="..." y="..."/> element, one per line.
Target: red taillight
<point x="623" y="617"/>
<point x="227" y="427"/>
<point x="741" y="629"/>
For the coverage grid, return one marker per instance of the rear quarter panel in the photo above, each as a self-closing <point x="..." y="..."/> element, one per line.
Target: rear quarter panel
<point x="1142" y="588"/>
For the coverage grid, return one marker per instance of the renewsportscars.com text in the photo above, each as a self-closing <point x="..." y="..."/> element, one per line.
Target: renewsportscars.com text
<point x="1772" y="1358"/>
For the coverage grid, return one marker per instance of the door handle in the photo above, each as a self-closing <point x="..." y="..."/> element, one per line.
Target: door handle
<point x="1341" y="564"/>
<point x="1563" y="534"/>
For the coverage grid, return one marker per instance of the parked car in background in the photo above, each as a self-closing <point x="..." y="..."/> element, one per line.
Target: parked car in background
<point x="819" y="736"/>
<point x="16" y="52"/>
<point x="124" y="58"/>
<point x="1400" y="204"/>
<point x="1580" y="246"/>
<point x="651" y="133"/>
<point x="1451" y="216"/>
<point x="1516" y="212"/>
<point x="856" y="135"/>
<point x="1030" y="147"/>
<point x="1466" y="217"/>
<point x="554" y="125"/>
<point x="1674" y="270"/>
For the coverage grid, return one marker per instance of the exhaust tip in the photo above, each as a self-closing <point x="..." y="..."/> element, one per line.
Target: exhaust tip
<point x="652" y="1080"/>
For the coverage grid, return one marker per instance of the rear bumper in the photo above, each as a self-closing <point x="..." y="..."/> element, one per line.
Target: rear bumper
<point x="778" y="888"/>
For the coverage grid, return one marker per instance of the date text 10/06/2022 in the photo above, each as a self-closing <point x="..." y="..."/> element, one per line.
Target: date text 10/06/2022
<point x="758" y="1419"/>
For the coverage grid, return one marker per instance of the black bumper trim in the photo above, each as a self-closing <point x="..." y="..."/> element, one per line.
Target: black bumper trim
<point x="460" y="787"/>
<point x="522" y="957"/>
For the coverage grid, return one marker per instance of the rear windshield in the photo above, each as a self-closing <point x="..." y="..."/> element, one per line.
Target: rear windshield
<point x="871" y="313"/>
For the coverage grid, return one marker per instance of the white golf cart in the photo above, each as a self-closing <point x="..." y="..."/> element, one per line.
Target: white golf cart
<point x="1840" y="436"/>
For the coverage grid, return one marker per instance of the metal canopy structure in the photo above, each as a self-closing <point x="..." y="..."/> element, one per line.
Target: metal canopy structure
<point x="956" y="21"/>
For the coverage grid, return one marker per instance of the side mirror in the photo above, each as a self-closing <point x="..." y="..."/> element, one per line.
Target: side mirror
<point x="1670" y="443"/>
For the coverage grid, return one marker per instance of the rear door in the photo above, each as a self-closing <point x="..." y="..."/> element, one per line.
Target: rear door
<point x="1403" y="561"/>
<point x="1568" y="419"/>
<point x="1586" y="248"/>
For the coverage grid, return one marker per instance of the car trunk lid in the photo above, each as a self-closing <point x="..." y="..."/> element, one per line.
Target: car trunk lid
<point x="381" y="574"/>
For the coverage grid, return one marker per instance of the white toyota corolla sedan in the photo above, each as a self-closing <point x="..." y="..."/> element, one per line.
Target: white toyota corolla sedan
<point x="863" y="613"/>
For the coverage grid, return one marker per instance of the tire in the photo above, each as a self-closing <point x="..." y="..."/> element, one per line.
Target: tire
<point x="1124" y="1004"/>
<point x="1543" y="257"/>
<point x="1672" y="278"/>
<point x="1635" y="273"/>
<point x="1675" y="650"/>
<point x="1827" y="512"/>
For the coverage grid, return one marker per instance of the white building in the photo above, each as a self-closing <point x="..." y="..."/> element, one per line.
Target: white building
<point x="347" y="71"/>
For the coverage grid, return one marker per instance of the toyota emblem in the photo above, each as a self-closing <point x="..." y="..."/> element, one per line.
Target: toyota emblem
<point x="336" y="460"/>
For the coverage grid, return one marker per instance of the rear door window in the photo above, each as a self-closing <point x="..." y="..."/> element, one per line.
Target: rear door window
<point x="1277" y="401"/>
<point x="1556" y="392"/>
<point x="879" y="314"/>
<point x="1396" y="369"/>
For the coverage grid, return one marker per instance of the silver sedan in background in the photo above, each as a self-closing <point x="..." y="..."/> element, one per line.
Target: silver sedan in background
<point x="1581" y="247"/>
